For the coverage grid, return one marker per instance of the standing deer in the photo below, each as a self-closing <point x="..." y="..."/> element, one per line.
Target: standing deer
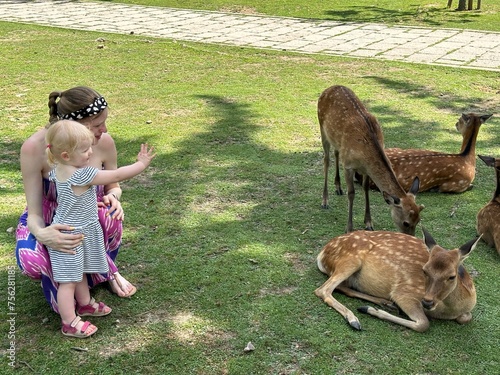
<point x="358" y="143"/>
<point x="394" y="269"/>
<point x="488" y="218"/>
<point x="446" y="173"/>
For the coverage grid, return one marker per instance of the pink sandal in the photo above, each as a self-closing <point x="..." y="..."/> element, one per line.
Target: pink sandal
<point x="90" y="310"/>
<point x="70" y="330"/>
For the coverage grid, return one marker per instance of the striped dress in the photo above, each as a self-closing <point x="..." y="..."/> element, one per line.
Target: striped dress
<point x="80" y="212"/>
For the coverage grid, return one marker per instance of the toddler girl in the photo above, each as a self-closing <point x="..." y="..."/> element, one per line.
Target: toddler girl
<point x="69" y="146"/>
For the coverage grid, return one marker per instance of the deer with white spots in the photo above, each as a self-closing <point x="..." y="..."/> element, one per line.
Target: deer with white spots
<point x="395" y="270"/>
<point x="445" y="173"/>
<point x="358" y="143"/>
<point x="488" y="218"/>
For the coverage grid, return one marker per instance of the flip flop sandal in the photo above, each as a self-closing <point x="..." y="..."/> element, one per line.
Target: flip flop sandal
<point x="70" y="330"/>
<point x="90" y="310"/>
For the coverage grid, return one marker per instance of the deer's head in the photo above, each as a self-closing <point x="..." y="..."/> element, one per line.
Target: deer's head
<point x="466" y="121"/>
<point x="443" y="271"/>
<point x="404" y="211"/>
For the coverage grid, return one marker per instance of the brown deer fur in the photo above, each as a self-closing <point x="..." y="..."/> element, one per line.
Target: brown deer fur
<point x="446" y="173"/>
<point x="488" y="218"/>
<point x="358" y="143"/>
<point x="388" y="268"/>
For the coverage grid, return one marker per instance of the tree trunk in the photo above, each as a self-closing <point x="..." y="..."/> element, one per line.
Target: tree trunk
<point x="465" y="4"/>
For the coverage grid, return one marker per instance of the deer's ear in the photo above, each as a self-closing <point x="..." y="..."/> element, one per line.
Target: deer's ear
<point x="391" y="199"/>
<point x="415" y="185"/>
<point x="484" y="118"/>
<point x="488" y="160"/>
<point x="465" y="117"/>
<point x="466" y="248"/>
<point x="429" y="241"/>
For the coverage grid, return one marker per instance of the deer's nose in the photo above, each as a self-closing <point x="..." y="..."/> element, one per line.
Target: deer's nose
<point x="427" y="304"/>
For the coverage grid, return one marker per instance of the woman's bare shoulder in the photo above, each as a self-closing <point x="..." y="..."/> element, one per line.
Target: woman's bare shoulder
<point x="35" y="143"/>
<point x="106" y="140"/>
<point x="107" y="145"/>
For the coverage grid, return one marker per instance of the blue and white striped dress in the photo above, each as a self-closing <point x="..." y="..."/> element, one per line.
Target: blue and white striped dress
<point x="79" y="211"/>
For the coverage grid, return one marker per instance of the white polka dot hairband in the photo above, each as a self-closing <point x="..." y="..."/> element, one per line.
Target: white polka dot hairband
<point x="92" y="109"/>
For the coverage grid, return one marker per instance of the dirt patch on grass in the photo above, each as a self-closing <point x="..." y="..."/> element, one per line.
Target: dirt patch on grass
<point x="238" y="9"/>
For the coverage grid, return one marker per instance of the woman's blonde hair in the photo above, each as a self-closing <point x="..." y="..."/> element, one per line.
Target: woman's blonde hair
<point x="65" y="136"/>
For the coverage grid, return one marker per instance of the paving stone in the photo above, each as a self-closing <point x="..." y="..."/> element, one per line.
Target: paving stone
<point x="451" y="47"/>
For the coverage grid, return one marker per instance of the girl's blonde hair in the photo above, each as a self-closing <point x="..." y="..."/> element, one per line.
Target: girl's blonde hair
<point x="65" y="136"/>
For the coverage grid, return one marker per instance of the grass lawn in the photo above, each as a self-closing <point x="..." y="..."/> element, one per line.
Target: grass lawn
<point x="393" y="12"/>
<point x="222" y="232"/>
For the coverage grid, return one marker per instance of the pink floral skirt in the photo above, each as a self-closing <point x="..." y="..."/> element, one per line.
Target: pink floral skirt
<point x="33" y="259"/>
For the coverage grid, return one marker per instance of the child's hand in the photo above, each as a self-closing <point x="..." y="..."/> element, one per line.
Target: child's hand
<point x="145" y="156"/>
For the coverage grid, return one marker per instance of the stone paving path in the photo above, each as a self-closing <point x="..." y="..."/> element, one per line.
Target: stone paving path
<point x="450" y="47"/>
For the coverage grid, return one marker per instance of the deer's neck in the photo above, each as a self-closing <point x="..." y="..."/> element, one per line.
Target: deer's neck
<point x="496" y="196"/>
<point x="469" y="142"/>
<point x="382" y="174"/>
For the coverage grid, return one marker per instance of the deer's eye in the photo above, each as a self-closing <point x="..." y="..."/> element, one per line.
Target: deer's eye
<point x="452" y="278"/>
<point x="406" y="224"/>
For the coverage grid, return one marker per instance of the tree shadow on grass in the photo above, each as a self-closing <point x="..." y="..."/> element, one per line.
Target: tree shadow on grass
<point x="432" y="134"/>
<point x="223" y="253"/>
<point x="430" y="16"/>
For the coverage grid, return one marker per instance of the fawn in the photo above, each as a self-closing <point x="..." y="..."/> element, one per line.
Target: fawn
<point x="446" y="173"/>
<point x="395" y="269"/>
<point x="358" y="143"/>
<point x="488" y="218"/>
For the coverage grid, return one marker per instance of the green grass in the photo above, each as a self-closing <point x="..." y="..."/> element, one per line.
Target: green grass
<point x="394" y="12"/>
<point x="221" y="234"/>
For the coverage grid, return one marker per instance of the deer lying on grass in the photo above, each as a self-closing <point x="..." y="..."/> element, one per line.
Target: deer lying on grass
<point x="488" y="218"/>
<point x="388" y="268"/>
<point x="446" y="173"/>
<point x="358" y="143"/>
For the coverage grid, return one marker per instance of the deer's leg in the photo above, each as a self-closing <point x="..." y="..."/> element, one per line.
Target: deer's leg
<point x="410" y="306"/>
<point x="356" y="294"/>
<point x="496" y="238"/>
<point x="338" y="187"/>
<point x="368" y="216"/>
<point x="325" y="293"/>
<point x="464" y="318"/>
<point x="326" y="165"/>
<point x="449" y="3"/>
<point x="349" y="179"/>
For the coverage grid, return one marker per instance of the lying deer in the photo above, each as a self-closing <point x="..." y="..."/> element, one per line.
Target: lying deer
<point x="446" y="173"/>
<point x="394" y="269"/>
<point x="358" y="143"/>
<point x="488" y="218"/>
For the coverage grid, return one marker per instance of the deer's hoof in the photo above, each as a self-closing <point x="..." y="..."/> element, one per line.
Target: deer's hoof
<point x="339" y="192"/>
<point x="363" y="309"/>
<point x="324" y="206"/>
<point x="369" y="227"/>
<point x="355" y="324"/>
